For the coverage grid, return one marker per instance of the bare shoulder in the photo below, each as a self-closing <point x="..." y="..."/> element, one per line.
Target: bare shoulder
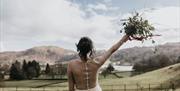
<point x="73" y="62"/>
<point x="98" y="59"/>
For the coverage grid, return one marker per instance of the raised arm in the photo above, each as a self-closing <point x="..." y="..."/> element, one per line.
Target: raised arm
<point x="70" y="79"/>
<point x="109" y="52"/>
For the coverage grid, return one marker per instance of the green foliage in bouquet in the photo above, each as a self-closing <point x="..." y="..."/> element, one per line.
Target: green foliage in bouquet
<point x="138" y="28"/>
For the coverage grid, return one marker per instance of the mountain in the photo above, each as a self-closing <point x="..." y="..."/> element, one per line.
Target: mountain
<point x="52" y="54"/>
<point x="137" y="54"/>
<point x="42" y="54"/>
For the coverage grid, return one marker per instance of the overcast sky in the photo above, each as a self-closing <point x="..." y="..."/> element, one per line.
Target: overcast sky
<point x="29" y="23"/>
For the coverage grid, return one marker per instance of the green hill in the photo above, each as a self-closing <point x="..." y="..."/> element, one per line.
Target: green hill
<point x="164" y="77"/>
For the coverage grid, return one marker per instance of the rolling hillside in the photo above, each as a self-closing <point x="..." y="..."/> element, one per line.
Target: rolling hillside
<point x="162" y="76"/>
<point x="42" y="54"/>
<point x="137" y="54"/>
<point x="51" y="54"/>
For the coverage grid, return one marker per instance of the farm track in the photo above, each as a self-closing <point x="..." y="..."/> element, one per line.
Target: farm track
<point x="46" y="85"/>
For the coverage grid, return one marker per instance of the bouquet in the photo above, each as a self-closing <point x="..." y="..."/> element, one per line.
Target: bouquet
<point x="138" y="28"/>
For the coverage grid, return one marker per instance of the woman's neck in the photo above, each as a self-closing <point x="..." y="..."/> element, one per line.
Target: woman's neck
<point x="84" y="59"/>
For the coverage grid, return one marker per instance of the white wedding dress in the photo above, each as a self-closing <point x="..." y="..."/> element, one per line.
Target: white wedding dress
<point x="97" y="88"/>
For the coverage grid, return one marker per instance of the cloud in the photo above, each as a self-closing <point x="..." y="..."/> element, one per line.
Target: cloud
<point x="98" y="7"/>
<point x="32" y="23"/>
<point x="1" y="46"/>
<point x="28" y="23"/>
<point x="102" y="7"/>
<point x="167" y="22"/>
<point x="107" y="1"/>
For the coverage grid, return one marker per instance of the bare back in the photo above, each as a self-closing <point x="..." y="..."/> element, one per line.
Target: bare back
<point x="78" y="69"/>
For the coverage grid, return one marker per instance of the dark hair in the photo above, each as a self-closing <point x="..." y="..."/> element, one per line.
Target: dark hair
<point x="84" y="47"/>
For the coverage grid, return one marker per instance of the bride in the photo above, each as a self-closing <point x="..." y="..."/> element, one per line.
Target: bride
<point x="83" y="72"/>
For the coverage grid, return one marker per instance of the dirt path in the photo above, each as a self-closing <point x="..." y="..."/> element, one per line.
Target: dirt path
<point x="45" y="85"/>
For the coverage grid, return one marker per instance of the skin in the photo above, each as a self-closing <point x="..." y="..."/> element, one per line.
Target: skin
<point x="76" y="68"/>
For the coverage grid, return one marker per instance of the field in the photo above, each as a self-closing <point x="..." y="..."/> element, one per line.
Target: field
<point x="150" y="81"/>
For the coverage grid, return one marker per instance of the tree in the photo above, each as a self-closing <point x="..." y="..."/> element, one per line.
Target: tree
<point x="24" y="68"/>
<point x="152" y="63"/>
<point x="25" y="65"/>
<point x="36" y="67"/>
<point x="1" y="73"/>
<point x="13" y="72"/>
<point x="24" y="71"/>
<point x="48" y="69"/>
<point x="31" y="72"/>
<point x="16" y="72"/>
<point x="104" y="73"/>
<point x="33" y="69"/>
<point x="164" y="60"/>
<point x="110" y="68"/>
<point x="178" y="60"/>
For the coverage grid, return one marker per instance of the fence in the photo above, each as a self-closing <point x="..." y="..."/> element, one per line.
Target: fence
<point x="138" y="87"/>
<point x="118" y="87"/>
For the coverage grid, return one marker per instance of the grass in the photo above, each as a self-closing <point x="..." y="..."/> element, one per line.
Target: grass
<point x="156" y="79"/>
<point x="158" y="76"/>
<point x="30" y="83"/>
